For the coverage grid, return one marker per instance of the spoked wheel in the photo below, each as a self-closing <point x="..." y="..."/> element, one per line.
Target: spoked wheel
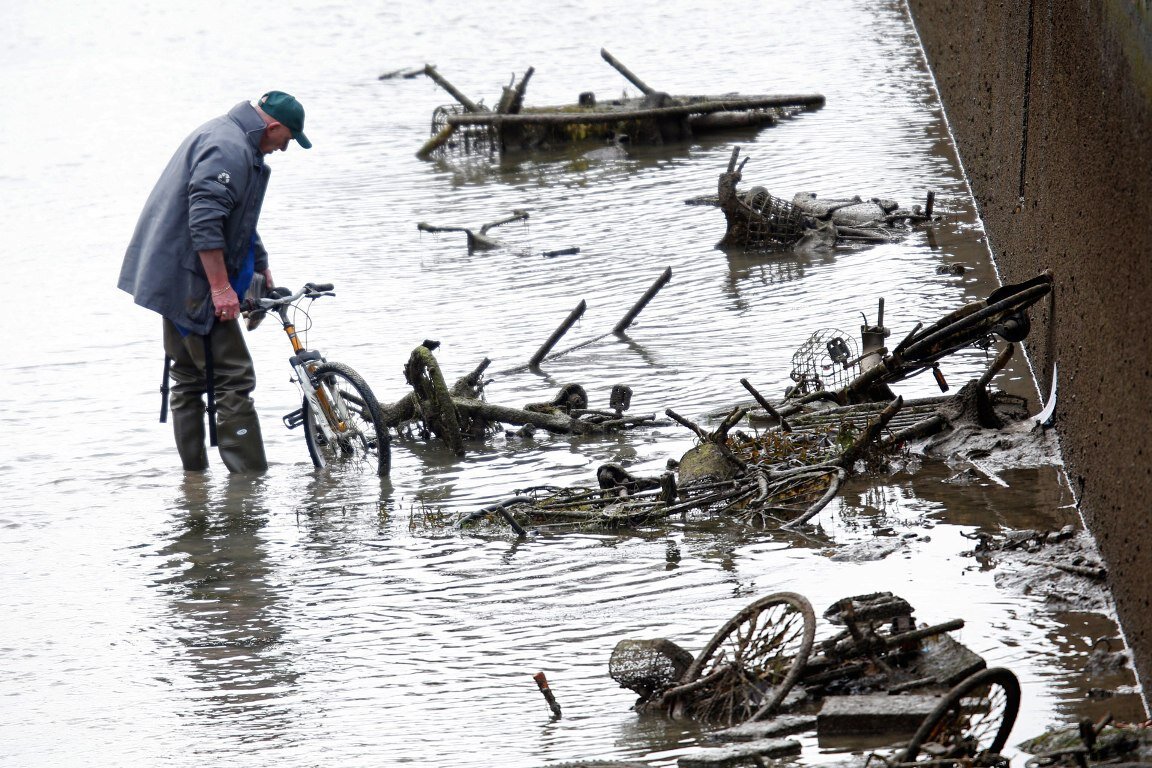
<point x="354" y="416"/>
<point x="748" y="667"/>
<point x="973" y="720"/>
<point x="799" y="495"/>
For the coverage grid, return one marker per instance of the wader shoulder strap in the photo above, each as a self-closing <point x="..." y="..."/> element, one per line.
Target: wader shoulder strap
<point x="210" y="390"/>
<point x="164" y="389"/>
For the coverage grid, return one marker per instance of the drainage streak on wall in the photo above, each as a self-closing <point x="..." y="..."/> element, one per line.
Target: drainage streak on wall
<point x="1050" y="103"/>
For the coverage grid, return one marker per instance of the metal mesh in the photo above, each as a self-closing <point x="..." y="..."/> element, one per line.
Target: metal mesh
<point x="467" y="138"/>
<point x="828" y="360"/>
<point x="772" y="222"/>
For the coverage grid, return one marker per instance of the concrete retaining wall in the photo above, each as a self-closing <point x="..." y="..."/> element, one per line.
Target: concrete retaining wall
<point x="1050" y="103"/>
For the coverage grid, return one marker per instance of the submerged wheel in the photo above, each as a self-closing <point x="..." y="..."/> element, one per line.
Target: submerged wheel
<point x="974" y="718"/>
<point x="434" y="399"/>
<point x="755" y="658"/>
<point x="353" y="415"/>
<point x="801" y="495"/>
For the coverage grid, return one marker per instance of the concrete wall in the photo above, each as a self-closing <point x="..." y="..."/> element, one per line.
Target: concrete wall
<point x="1050" y="102"/>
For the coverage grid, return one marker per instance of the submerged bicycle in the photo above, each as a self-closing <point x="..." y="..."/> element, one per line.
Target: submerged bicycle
<point x="342" y="419"/>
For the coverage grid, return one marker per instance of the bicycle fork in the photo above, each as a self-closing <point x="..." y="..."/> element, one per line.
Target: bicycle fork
<point x="304" y="364"/>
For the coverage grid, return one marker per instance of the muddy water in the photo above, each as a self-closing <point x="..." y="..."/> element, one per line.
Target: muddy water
<point x="312" y="618"/>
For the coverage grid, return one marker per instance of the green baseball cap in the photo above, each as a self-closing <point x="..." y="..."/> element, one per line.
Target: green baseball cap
<point x="284" y="109"/>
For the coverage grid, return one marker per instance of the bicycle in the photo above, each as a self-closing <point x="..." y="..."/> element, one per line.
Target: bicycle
<point x="1003" y="313"/>
<point x="342" y="419"/>
<point x="750" y="665"/>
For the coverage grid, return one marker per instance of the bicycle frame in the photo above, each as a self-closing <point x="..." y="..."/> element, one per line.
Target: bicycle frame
<point x="304" y="362"/>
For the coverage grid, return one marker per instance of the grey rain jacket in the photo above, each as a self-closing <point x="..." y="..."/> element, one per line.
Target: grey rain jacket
<point x="208" y="197"/>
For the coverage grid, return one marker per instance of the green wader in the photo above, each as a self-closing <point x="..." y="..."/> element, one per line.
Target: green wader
<point x="239" y="440"/>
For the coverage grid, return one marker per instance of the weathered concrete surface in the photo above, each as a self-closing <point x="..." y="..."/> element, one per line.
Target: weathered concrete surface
<point x="874" y="713"/>
<point x="1051" y="107"/>
<point x="738" y="754"/>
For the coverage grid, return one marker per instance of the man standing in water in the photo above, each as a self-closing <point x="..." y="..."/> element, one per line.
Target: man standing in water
<point x="193" y="255"/>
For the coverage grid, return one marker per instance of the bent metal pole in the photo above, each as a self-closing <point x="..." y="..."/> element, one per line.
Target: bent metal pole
<point x="626" y="321"/>
<point x="557" y="334"/>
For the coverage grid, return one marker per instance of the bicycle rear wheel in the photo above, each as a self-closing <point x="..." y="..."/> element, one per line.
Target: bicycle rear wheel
<point x="353" y="415"/>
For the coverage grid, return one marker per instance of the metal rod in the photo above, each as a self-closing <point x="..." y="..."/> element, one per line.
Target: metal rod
<point x="732" y="159"/>
<point x="997" y="365"/>
<point x="542" y="684"/>
<point x="784" y="426"/>
<point x="627" y="320"/>
<point x="573" y="316"/>
<point x="628" y="74"/>
<point x="437" y="78"/>
<point x="512" y="522"/>
<point x="686" y="423"/>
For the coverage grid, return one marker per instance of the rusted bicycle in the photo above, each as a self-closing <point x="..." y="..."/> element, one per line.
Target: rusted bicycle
<point x="749" y="666"/>
<point x="970" y="725"/>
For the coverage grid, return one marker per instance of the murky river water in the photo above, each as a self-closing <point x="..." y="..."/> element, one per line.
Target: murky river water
<point x="319" y="619"/>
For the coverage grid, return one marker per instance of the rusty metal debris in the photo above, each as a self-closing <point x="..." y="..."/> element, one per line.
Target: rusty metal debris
<point x="763" y="676"/>
<point x="757" y="220"/>
<point x="653" y="118"/>
<point x="1091" y="742"/>
<point x="838" y="417"/>
<point x="477" y="240"/>
<point x="454" y="414"/>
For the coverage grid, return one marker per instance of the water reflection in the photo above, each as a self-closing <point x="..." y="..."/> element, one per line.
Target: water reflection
<point x="227" y="610"/>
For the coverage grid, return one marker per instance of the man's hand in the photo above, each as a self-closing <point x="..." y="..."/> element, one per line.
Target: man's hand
<point x="227" y="303"/>
<point x="224" y="299"/>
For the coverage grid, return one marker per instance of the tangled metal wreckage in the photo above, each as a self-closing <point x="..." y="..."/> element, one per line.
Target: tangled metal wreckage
<point x="878" y="678"/>
<point x="758" y="221"/>
<point x="654" y="118"/>
<point x="764" y="675"/>
<point x="840" y="417"/>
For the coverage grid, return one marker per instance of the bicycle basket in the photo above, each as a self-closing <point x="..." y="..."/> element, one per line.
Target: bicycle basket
<point x="771" y="222"/>
<point x="467" y="138"/>
<point x="827" y="360"/>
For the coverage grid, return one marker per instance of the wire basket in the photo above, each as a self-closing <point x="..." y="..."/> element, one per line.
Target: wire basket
<point x="467" y="138"/>
<point x="772" y="222"/>
<point x="830" y="359"/>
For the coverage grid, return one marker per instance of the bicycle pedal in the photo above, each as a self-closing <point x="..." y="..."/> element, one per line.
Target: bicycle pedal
<point x="294" y="419"/>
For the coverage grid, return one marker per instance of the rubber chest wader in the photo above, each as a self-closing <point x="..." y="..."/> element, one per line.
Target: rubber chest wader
<point x="217" y="365"/>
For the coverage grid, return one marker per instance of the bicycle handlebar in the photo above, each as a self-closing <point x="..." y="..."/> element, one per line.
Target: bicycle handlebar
<point x="280" y="297"/>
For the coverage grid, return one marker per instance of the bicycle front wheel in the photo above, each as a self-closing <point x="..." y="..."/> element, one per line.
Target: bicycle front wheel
<point x="764" y="649"/>
<point x="974" y="719"/>
<point x="353" y="417"/>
